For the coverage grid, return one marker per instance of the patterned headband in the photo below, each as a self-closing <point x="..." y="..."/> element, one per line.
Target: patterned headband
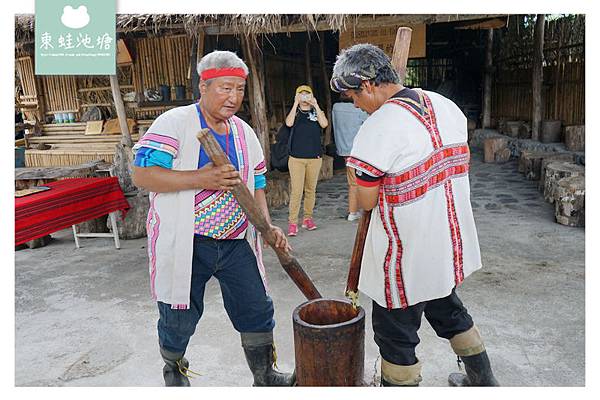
<point x="353" y="80"/>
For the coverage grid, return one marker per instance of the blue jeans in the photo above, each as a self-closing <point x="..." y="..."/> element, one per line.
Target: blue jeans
<point x="248" y="306"/>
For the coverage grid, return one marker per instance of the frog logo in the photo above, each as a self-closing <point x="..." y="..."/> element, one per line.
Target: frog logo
<point x="75" y="18"/>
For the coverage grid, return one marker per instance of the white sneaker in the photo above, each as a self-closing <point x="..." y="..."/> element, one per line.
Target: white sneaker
<point x="353" y="216"/>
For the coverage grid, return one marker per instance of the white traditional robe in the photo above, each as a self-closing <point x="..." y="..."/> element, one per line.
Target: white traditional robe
<point x="170" y="224"/>
<point x="422" y="240"/>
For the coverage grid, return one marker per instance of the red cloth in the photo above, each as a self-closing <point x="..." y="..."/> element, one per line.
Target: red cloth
<point x="68" y="202"/>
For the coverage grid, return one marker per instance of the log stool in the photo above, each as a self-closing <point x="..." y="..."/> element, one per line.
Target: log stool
<point x="575" y="137"/>
<point x="277" y="191"/>
<point x="554" y="157"/>
<point x="550" y="131"/>
<point x="511" y="128"/>
<point x="555" y="171"/>
<point x="530" y="163"/>
<point x="569" y="205"/>
<point x="492" y="146"/>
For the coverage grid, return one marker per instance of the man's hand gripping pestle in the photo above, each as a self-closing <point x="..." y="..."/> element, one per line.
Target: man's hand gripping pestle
<point x="245" y="199"/>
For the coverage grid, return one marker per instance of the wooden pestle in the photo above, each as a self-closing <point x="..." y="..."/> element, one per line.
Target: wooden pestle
<point x="289" y="263"/>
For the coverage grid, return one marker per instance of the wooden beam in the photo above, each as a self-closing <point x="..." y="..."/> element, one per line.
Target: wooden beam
<point x="363" y="21"/>
<point x="487" y="82"/>
<point x="537" y="77"/>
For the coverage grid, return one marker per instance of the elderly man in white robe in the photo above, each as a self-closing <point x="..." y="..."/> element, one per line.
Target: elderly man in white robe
<point x="197" y="229"/>
<point x="412" y="161"/>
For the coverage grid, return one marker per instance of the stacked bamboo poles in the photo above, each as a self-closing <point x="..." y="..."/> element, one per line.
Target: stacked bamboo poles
<point x="61" y="94"/>
<point x="55" y="158"/>
<point x="161" y="61"/>
<point x="25" y="72"/>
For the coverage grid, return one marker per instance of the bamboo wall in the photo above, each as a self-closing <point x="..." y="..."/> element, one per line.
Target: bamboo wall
<point x="60" y="93"/>
<point x="162" y="60"/>
<point x="563" y="93"/>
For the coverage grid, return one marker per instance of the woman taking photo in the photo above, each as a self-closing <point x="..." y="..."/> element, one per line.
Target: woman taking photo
<point x="306" y="120"/>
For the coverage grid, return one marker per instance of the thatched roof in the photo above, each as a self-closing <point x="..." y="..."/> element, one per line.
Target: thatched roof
<point x="252" y="23"/>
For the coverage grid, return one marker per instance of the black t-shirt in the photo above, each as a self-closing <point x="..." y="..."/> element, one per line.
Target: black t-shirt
<point x="306" y="139"/>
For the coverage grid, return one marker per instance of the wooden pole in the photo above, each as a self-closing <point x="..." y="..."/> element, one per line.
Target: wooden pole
<point x="120" y="107"/>
<point x="245" y="199"/>
<point x="401" y="50"/>
<point x="307" y="66"/>
<point x="399" y="61"/>
<point x="256" y="92"/>
<point x="193" y="68"/>
<point x="487" y="82"/>
<point x="325" y="76"/>
<point x="537" y="77"/>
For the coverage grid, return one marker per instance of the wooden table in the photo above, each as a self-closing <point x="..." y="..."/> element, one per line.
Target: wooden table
<point x="67" y="203"/>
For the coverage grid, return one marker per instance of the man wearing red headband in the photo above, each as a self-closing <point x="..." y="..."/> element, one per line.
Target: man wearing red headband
<point x="197" y="229"/>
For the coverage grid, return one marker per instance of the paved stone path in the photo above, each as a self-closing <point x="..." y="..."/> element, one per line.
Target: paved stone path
<point x="85" y="318"/>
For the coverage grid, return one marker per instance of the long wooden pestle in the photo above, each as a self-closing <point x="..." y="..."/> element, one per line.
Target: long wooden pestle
<point x="289" y="263"/>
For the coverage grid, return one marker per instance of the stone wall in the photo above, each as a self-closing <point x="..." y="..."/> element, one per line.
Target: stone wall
<point x="516" y="145"/>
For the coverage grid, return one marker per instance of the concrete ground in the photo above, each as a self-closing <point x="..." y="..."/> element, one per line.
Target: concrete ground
<point x="85" y="318"/>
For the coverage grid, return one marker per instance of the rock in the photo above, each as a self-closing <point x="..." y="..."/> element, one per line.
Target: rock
<point x="569" y="205"/>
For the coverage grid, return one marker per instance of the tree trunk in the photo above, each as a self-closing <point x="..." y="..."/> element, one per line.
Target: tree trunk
<point x="256" y="93"/>
<point x="538" y="77"/>
<point x="487" y="84"/>
<point x="327" y="91"/>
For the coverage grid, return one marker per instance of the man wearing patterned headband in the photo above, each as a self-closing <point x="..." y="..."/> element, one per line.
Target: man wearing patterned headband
<point x="412" y="162"/>
<point x="197" y="229"/>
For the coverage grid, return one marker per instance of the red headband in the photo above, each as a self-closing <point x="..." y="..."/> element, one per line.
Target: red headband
<point x="218" y="72"/>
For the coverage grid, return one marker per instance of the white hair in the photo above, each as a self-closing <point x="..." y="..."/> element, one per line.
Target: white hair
<point x="221" y="59"/>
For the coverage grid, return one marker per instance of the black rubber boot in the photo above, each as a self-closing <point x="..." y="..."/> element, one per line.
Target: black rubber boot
<point x="175" y="368"/>
<point x="479" y="372"/>
<point x="259" y="352"/>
